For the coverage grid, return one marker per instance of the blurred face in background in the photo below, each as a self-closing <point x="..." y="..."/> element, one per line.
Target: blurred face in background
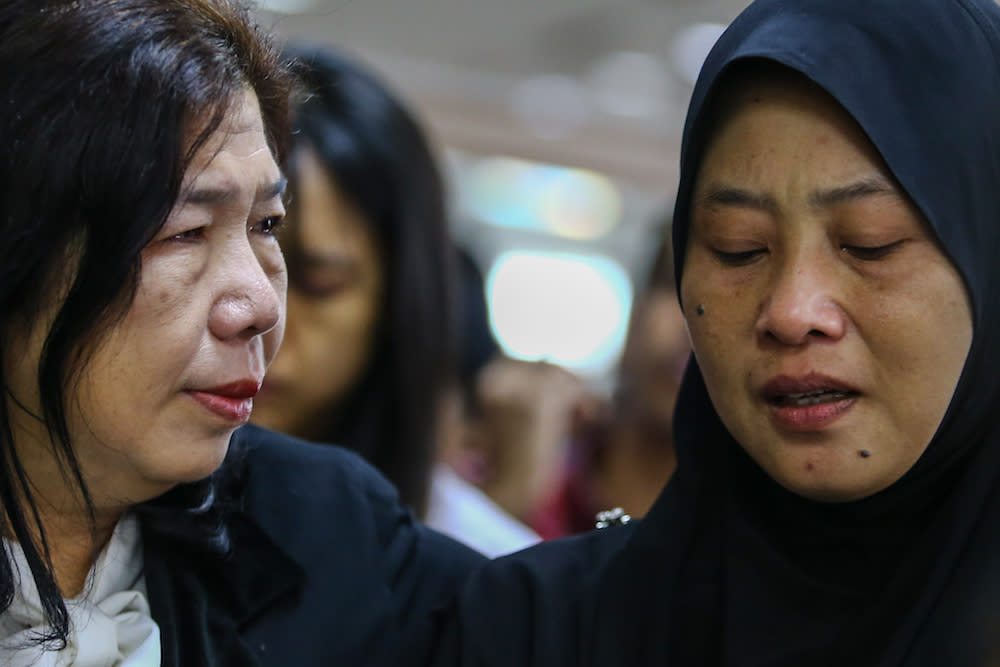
<point x="654" y="358"/>
<point x="335" y="288"/>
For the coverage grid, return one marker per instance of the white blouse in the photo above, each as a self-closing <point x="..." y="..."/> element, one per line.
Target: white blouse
<point x="110" y="622"/>
<point x="459" y="509"/>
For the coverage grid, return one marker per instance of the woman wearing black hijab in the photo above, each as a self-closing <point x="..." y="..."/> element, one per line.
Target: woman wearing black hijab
<point x="837" y="497"/>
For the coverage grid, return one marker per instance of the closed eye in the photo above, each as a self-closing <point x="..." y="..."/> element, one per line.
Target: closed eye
<point x="738" y="258"/>
<point x="871" y="253"/>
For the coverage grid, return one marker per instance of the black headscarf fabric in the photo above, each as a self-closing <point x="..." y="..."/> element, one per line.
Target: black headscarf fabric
<point x="737" y="569"/>
<point x="729" y="568"/>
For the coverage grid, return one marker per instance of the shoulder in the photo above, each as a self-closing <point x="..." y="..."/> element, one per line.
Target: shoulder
<point x="368" y="562"/>
<point x="298" y="489"/>
<point x="563" y="568"/>
<point x="319" y="484"/>
<point x="534" y="607"/>
<point x="276" y="456"/>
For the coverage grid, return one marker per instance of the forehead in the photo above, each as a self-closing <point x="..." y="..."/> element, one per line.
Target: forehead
<point x="757" y="125"/>
<point x="326" y="218"/>
<point x="237" y="149"/>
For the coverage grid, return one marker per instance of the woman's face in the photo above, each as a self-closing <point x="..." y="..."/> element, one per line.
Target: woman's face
<point x="167" y="385"/>
<point x="333" y="307"/>
<point x="834" y="330"/>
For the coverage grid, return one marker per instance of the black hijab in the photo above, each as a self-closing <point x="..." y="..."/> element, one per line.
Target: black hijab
<point x="729" y="567"/>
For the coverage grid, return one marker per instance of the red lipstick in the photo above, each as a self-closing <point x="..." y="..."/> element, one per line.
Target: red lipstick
<point x="233" y="402"/>
<point x="810" y="402"/>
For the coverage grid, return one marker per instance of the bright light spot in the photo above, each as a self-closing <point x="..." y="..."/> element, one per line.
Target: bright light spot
<point x="580" y="205"/>
<point x="566" y="309"/>
<point x="572" y="203"/>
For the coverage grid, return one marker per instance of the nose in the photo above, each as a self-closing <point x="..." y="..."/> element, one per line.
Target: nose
<point x="802" y="304"/>
<point x="250" y="303"/>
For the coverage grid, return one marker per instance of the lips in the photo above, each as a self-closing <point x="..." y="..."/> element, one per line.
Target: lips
<point x="239" y="389"/>
<point x="232" y="402"/>
<point x="809" y="402"/>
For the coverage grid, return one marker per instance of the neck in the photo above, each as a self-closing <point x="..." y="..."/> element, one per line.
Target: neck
<point x="74" y="542"/>
<point x="74" y="536"/>
<point x="636" y="464"/>
<point x="74" y="545"/>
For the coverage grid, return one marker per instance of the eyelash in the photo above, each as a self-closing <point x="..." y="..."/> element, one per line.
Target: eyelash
<point x="188" y="234"/>
<point x="272" y="223"/>
<point x="737" y="258"/>
<point x="268" y="227"/>
<point x="862" y="253"/>
<point x="871" y="253"/>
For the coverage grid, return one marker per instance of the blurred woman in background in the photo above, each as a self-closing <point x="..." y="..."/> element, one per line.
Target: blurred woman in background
<point x="377" y="337"/>
<point x="621" y="452"/>
<point x="370" y="342"/>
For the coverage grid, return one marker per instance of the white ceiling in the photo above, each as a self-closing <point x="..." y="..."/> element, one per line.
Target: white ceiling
<point x="589" y="83"/>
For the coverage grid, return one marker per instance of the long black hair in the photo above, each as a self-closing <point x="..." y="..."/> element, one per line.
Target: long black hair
<point x="99" y="101"/>
<point x="375" y="151"/>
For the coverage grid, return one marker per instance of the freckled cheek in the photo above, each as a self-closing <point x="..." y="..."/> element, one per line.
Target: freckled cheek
<point x="714" y="328"/>
<point x="160" y="305"/>
<point x="720" y="359"/>
<point x="721" y="339"/>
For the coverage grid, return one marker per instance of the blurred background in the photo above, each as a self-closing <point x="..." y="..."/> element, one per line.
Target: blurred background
<point x="558" y="125"/>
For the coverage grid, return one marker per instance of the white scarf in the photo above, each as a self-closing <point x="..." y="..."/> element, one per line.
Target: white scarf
<point x="110" y="622"/>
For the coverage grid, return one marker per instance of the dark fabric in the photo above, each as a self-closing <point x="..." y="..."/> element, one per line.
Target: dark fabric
<point x="728" y="568"/>
<point x="325" y="567"/>
<point x="534" y="607"/>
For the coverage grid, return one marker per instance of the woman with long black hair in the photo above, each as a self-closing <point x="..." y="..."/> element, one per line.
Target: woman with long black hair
<point x="142" y="299"/>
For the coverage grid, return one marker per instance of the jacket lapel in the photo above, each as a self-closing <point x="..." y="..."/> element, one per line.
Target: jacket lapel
<point x="203" y="600"/>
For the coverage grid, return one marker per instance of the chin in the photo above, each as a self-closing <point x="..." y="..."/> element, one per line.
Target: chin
<point x="199" y="464"/>
<point x="831" y="490"/>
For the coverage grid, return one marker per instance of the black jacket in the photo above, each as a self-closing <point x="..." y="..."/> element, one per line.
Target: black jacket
<point x="325" y="567"/>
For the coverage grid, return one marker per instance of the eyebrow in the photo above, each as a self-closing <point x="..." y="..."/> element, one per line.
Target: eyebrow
<point x="866" y="187"/>
<point x="741" y="198"/>
<point x="211" y="196"/>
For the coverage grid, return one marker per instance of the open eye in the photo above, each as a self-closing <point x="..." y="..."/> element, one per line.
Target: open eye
<point x="871" y="253"/>
<point x="269" y="225"/>
<point x="188" y="234"/>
